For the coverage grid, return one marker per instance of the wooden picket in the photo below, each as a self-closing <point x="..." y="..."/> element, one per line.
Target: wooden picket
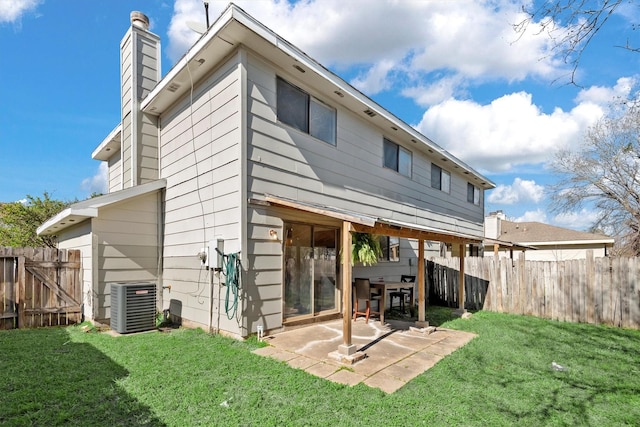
<point x="592" y="290"/>
<point x="39" y="287"/>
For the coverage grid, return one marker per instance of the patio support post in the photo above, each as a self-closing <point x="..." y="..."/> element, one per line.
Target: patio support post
<point x="421" y="286"/>
<point x="461" y="296"/>
<point x="347" y="348"/>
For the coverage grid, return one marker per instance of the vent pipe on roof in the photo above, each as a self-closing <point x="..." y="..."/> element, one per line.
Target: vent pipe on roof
<point x="139" y="20"/>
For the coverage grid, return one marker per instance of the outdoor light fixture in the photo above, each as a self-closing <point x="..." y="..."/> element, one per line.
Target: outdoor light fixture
<point x="274" y="234"/>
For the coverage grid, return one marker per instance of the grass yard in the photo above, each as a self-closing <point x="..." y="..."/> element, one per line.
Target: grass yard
<point x="63" y="376"/>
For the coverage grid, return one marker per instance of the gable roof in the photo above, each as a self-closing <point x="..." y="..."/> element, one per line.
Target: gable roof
<point x="537" y="233"/>
<point x="78" y="212"/>
<point x="235" y="28"/>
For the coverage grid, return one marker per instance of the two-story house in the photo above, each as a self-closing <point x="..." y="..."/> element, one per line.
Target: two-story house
<point x="250" y="146"/>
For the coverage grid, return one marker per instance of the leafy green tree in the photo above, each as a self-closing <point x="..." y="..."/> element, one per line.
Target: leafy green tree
<point x="19" y="221"/>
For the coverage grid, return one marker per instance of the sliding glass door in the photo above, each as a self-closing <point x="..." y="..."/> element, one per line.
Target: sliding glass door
<point x="310" y="270"/>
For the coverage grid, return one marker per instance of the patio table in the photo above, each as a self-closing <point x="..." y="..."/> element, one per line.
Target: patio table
<point x="390" y="286"/>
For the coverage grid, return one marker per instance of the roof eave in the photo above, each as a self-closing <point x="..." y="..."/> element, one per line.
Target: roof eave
<point x="86" y="209"/>
<point x="67" y="218"/>
<point x="571" y="242"/>
<point x="109" y="145"/>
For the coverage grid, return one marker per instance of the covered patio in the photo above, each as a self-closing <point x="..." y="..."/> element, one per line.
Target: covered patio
<point x="357" y="222"/>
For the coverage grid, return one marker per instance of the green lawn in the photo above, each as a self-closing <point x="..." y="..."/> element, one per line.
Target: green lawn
<point x="63" y="376"/>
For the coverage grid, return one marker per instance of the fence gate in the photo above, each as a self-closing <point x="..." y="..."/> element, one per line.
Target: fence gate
<point x="39" y="287"/>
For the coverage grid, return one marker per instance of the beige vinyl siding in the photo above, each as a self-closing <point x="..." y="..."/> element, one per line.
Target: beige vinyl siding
<point x="126" y="73"/>
<point x="286" y="162"/>
<point x="200" y="159"/>
<point x="80" y="237"/>
<point x="148" y="149"/>
<point x="126" y="150"/>
<point x="126" y="240"/>
<point x="148" y="62"/>
<point x="140" y="72"/>
<point x="115" y="172"/>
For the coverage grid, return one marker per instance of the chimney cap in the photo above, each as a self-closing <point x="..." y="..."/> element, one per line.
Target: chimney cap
<point x="140" y="20"/>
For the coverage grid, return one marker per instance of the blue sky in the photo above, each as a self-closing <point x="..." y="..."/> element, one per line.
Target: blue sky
<point x="455" y="70"/>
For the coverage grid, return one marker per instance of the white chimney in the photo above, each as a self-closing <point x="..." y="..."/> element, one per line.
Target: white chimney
<point x="493" y="226"/>
<point x="139" y="73"/>
<point x="139" y="20"/>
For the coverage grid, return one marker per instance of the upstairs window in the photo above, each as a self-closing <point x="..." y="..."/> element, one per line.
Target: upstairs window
<point x="397" y="158"/>
<point x="473" y="194"/>
<point x="298" y="109"/>
<point x="390" y="248"/>
<point x="440" y="178"/>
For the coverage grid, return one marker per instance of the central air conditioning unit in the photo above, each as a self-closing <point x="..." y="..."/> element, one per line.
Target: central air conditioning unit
<point x="133" y="307"/>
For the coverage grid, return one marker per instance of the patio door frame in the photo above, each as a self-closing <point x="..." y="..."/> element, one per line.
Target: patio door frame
<point x="314" y="290"/>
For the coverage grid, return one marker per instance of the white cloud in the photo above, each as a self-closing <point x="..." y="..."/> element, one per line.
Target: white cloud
<point x="582" y="220"/>
<point x="13" y="10"/>
<point x="181" y="37"/>
<point x="520" y="191"/>
<point x="441" y="90"/>
<point x="532" y="216"/>
<point x="376" y="79"/>
<point x="98" y="182"/>
<point x="604" y="96"/>
<point x="509" y="131"/>
<point x="465" y="39"/>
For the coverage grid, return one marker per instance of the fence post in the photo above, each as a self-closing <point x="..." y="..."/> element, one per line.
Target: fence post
<point x="20" y="292"/>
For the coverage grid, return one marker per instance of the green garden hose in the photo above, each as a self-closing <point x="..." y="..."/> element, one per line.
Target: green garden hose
<point x="232" y="273"/>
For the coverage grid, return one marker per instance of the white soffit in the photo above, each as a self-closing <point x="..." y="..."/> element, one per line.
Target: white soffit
<point x="89" y="208"/>
<point x="108" y="146"/>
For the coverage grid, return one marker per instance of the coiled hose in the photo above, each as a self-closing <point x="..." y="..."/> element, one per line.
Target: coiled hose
<point x="232" y="273"/>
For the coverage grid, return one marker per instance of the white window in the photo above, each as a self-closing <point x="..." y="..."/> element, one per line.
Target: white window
<point x="473" y="194"/>
<point x="298" y="109"/>
<point x="397" y="158"/>
<point x="390" y="248"/>
<point x="440" y="178"/>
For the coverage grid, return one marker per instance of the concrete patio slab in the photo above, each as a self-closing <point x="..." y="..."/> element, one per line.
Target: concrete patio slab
<point x="394" y="354"/>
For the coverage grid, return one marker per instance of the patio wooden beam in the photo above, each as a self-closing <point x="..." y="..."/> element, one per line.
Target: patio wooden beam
<point x="421" y="282"/>
<point x="347" y="348"/>
<point x="409" y="233"/>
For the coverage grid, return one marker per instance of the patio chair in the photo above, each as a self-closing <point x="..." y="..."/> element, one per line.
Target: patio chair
<point x="402" y="293"/>
<point x="363" y="292"/>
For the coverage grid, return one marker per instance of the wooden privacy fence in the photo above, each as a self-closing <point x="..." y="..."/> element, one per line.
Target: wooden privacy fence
<point x="599" y="291"/>
<point x="39" y="287"/>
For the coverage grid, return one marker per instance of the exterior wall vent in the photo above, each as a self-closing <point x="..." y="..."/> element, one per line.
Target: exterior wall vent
<point x="173" y="87"/>
<point x="133" y="307"/>
<point x="369" y="113"/>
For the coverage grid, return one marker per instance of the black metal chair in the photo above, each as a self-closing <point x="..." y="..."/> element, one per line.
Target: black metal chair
<point x="402" y="293"/>
<point x="363" y="292"/>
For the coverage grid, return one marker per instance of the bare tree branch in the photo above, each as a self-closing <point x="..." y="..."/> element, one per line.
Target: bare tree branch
<point x="571" y="26"/>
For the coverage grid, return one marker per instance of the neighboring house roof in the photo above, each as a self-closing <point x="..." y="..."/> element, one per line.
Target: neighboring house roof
<point x="78" y="212"/>
<point x="236" y="28"/>
<point x="537" y="234"/>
